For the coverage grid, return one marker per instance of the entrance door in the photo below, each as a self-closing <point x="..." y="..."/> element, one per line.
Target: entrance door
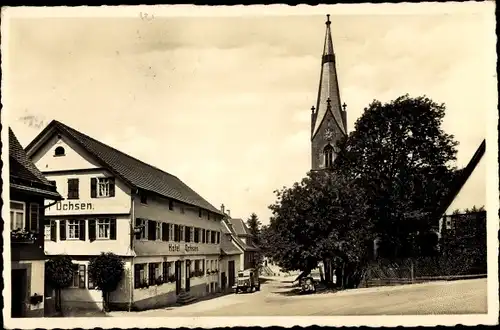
<point x="223" y="280"/>
<point x="178" y="278"/>
<point x="232" y="273"/>
<point x="188" y="275"/>
<point x="18" y="291"/>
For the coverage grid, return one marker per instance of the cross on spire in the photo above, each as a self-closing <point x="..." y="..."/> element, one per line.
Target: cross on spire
<point x="328" y="19"/>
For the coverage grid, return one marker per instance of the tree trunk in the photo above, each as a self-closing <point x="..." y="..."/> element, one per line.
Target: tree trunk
<point x="58" y="300"/>
<point x="328" y="273"/>
<point x="105" y="296"/>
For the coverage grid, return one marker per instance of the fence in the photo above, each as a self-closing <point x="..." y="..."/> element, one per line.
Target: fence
<point x="418" y="270"/>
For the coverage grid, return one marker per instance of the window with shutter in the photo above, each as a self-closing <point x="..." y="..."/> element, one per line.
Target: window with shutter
<point x="164" y="233"/>
<point x="34" y="216"/>
<point x="158" y="231"/>
<point x="73" y="188"/>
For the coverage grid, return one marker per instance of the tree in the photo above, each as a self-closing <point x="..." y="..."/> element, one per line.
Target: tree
<point x="254" y="224"/>
<point x="322" y="218"/>
<point x="402" y="159"/>
<point x="59" y="272"/>
<point x="106" y="272"/>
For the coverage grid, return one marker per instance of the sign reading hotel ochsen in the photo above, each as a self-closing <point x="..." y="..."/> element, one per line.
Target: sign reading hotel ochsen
<point x="174" y="247"/>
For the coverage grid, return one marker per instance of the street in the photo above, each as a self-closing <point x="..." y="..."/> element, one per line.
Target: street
<point x="278" y="298"/>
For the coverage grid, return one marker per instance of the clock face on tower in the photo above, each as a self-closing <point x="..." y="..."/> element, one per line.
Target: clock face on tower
<point x="328" y="134"/>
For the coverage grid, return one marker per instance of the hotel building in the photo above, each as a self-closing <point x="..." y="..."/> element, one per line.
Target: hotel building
<point x="167" y="234"/>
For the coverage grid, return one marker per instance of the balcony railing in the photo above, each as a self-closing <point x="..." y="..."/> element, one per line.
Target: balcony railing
<point x="22" y="236"/>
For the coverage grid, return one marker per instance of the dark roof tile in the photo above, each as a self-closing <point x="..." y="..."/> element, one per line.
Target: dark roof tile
<point x="135" y="172"/>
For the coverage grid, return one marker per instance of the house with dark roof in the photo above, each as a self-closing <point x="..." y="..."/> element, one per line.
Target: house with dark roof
<point x="167" y="234"/>
<point x="29" y="190"/>
<point x="242" y="239"/>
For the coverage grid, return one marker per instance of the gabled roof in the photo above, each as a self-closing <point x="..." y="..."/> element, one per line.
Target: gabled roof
<point x="240" y="228"/>
<point x="24" y="175"/>
<point x="227" y="227"/>
<point x="462" y="175"/>
<point x="227" y="246"/>
<point x="134" y="172"/>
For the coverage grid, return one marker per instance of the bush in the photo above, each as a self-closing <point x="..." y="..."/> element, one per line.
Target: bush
<point x="59" y="275"/>
<point x="106" y="272"/>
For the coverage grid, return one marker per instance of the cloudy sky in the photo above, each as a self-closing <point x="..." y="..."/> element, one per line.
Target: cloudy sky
<point x="223" y="102"/>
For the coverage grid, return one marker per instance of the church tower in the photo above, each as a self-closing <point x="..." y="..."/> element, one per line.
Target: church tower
<point x="328" y="117"/>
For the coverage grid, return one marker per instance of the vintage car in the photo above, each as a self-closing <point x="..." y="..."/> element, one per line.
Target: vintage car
<point x="247" y="280"/>
<point x="307" y="285"/>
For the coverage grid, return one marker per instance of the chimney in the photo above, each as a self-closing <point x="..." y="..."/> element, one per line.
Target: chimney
<point x="229" y="213"/>
<point x="222" y="208"/>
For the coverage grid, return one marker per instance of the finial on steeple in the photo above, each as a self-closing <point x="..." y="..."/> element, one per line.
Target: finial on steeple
<point x="344" y="106"/>
<point x="328" y="19"/>
<point x="312" y="109"/>
<point x="328" y="103"/>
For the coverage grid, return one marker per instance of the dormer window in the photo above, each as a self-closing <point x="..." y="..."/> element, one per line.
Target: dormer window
<point x="59" y="151"/>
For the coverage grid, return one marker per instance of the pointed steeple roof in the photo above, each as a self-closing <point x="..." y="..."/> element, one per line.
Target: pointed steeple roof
<point x="328" y="94"/>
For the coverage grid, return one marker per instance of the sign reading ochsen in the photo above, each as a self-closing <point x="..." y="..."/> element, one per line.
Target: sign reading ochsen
<point x="72" y="206"/>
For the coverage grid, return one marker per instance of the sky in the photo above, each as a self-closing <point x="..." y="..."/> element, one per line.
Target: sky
<point x="224" y="102"/>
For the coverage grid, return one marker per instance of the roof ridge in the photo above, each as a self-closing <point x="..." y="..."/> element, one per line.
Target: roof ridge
<point x="114" y="149"/>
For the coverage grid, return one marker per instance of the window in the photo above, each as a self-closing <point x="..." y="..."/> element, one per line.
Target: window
<point x="59" y="151"/>
<point x="212" y="237"/>
<point x="73" y="229"/>
<point x="103" y="228"/>
<point x="187" y="234"/>
<point x="208" y="215"/>
<point x="158" y="231"/>
<point x="143" y="224"/>
<point x="199" y="213"/>
<point x="207" y="239"/>
<point x="218" y="238"/>
<point x="16" y="215"/>
<point x="170" y="205"/>
<point x="78" y="276"/>
<point x="105" y="187"/>
<point x="181" y="233"/>
<point x="203" y="235"/>
<point x="144" y="198"/>
<point x="212" y="265"/>
<point x="139" y="275"/>
<point x="46" y="232"/>
<point x="154" y="273"/>
<point x="182" y="209"/>
<point x="329" y="155"/>
<point x="208" y="265"/>
<point x="196" y="237"/>
<point x="171" y="233"/>
<point x="73" y="188"/>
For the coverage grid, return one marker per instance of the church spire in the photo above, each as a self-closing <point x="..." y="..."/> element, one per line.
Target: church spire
<point x="328" y="88"/>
